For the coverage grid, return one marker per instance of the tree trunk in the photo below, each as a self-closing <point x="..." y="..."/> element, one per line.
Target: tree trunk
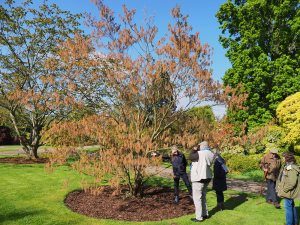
<point x="26" y="150"/>
<point x="33" y="152"/>
<point x="35" y="141"/>
<point x="138" y="186"/>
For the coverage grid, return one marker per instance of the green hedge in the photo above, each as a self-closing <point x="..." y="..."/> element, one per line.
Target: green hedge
<point x="245" y="163"/>
<point x="242" y="163"/>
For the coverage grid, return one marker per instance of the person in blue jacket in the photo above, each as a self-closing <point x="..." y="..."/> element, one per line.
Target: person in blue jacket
<point x="179" y="164"/>
<point x="219" y="179"/>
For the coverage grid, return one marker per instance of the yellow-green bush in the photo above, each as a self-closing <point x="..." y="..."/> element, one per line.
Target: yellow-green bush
<point x="288" y="114"/>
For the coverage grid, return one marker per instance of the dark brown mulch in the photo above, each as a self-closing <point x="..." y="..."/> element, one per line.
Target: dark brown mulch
<point x="22" y="160"/>
<point x="157" y="204"/>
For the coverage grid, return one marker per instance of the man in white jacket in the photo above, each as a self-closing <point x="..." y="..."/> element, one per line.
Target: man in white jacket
<point x="201" y="175"/>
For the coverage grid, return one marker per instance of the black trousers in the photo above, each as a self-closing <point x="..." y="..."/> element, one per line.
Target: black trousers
<point x="271" y="192"/>
<point x="220" y="196"/>
<point x="186" y="181"/>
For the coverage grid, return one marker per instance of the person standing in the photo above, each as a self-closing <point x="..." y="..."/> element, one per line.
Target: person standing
<point x="179" y="164"/>
<point x="271" y="165"/>
<point x="201" y="175"/>
<point x="219" y="180"/>
<point x="288" y="187"/>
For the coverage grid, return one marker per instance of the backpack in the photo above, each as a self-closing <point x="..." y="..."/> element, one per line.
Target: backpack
<point x="223" y="165"/>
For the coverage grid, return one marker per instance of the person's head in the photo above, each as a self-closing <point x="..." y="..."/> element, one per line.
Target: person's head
<point x="203" y="146"/>
<point x="195" y="148"/>
<point x="274" y="150"/>
<point x="174" y="150"/>
<point x="289" y="157"/>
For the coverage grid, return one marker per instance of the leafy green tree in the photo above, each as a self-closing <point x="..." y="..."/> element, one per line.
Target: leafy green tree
<point x="261" y="38"/>
<point x="4" y="118"/>
<point x="29" y="92"/>
<point x="202" y="113"/>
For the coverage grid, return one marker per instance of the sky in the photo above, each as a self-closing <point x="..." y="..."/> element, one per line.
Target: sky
<point x="201" y="17"/>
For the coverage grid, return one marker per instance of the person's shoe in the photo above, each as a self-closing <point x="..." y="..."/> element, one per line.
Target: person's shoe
<point x="206" y="217"/>
<point x="219" y="206"/>
<point x="195" y="220"/>
<point x="277" y="205"/>
<point x="222" y="206"/>
<point x="176" y="200"/>
<point x="269" y="202"/>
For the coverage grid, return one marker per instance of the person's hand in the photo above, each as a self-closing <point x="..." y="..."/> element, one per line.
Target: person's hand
<point x="265" y="169"/>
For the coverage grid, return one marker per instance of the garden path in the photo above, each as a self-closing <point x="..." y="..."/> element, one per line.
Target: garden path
<point x="232" y="184"/>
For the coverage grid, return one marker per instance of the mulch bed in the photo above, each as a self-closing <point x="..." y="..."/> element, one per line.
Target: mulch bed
<point x="22" y="160"/>
<point x="157" y="204"/>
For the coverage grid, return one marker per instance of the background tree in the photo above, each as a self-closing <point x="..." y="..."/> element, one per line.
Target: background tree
<point x="136" y="84"/>
<point x="193" y="126"/>
<point x="31" y="94"/>
<point x="288" y="113"/>
<point x="261" y="39"/>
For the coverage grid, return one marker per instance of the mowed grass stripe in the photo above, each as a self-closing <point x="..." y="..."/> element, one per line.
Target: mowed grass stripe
<point x="30" y="195"/>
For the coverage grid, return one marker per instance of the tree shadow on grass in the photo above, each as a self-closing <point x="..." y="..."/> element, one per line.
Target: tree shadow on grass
<point x="16" y="215"/>
<point x="231" y="203"/>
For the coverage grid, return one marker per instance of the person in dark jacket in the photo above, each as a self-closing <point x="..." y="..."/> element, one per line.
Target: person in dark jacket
<point x="179" y="164"/>
<point x="219" y="180"/>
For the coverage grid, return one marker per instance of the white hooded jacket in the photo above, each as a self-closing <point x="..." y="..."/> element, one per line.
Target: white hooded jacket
<point x="201" y="169"/>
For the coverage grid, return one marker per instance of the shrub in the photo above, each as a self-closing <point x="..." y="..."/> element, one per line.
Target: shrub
<point x="242" y="163"/>
<point x="288" y="113"/>
<point x="5" y="136"/>
<point x="275" y="137"/>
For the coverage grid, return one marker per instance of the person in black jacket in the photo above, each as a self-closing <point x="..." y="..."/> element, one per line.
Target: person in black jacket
<point x="179" y="164"/>
<point x="219" y="180"/>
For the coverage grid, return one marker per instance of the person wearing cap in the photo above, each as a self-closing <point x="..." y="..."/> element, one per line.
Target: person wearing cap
<point x="179" y="164"/>
<point x="201" y="175"/>
<point x="288" y="187"/>
<point x="271" y="165"/>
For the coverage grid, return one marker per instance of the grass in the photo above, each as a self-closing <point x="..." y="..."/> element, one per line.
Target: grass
<point x="29" y="195"/>
<point x="7" y="148"/>
<point x="253" y="175"/>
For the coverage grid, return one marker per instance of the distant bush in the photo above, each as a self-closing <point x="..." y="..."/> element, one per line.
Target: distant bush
<point x="275" y="136"/>
<point x="242" y="163"/>
<point x="5" y="136"/>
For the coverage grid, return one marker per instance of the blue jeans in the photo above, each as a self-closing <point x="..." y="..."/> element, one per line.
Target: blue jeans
<point x="185" y="179"/>
<point x="291" y="214"/>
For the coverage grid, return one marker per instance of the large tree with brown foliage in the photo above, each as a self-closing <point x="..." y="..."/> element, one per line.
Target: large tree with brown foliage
<point x="136" y="81"/>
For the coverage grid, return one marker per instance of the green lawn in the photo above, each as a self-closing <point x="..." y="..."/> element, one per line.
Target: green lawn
<point x="7" y="148"/>
<point x="29" y="195"/>
<point x="254" y="175"/>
